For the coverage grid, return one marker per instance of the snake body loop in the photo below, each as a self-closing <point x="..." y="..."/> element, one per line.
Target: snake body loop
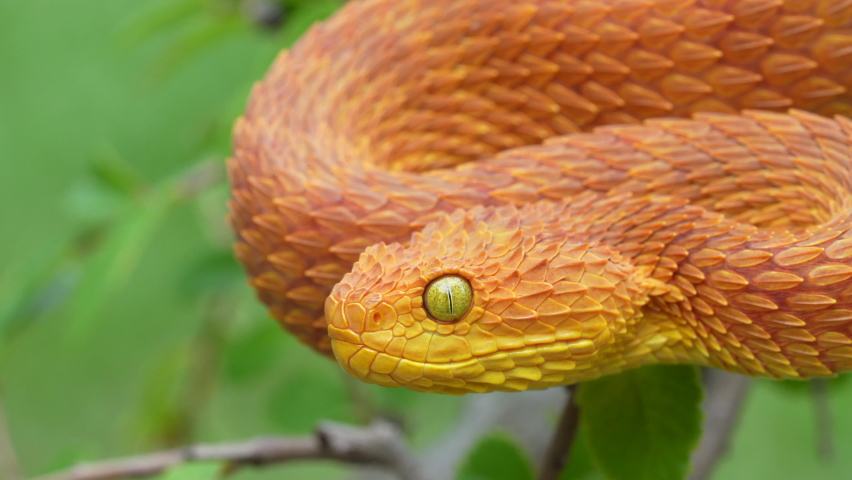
<point x="533" y="148"/>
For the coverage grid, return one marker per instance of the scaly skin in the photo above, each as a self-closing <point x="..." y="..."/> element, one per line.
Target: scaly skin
<point x="441" y="137"/>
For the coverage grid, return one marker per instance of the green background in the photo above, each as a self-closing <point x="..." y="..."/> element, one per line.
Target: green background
<point x="124" y="324"/>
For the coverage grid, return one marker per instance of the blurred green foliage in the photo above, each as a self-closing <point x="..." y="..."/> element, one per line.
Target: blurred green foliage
<point x="126" y="325"/>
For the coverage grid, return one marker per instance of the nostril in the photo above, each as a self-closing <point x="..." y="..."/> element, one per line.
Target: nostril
<point x="376" y="317"/>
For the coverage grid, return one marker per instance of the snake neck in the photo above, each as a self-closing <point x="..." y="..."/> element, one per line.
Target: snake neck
<point x="767" y="302"/>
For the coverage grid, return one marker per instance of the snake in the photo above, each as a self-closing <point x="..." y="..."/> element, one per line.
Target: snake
<point x="467" y="196"/>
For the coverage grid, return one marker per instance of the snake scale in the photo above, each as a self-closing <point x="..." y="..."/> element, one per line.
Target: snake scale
<point x="474" y="195"/>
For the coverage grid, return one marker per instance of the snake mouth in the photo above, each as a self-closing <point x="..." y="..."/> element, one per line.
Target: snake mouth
<point x="516" y="369"/>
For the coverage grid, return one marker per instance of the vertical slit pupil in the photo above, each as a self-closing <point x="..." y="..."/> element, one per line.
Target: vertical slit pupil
<point x="447" y="298"/>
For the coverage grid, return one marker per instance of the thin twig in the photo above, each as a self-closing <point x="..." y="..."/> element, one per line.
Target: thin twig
<point x="201" y="377"/>
<point x="822" y="407"/>
<point x="199" y="178"/>
<point x="9" y="467"/>
<point x="559" y="451"/>
<point x="726" y="393"/>
<point x="379" y="443"/>
<point x="363" y="407"/>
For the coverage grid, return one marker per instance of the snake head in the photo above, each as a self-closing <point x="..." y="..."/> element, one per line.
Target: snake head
<point x="486" y="299"/>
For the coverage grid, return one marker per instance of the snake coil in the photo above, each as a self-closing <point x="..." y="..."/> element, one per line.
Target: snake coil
<point x="474" y="195"/>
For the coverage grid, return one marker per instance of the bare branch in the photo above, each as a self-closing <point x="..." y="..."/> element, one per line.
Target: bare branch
<point x="726" y="393"/>
<point x="379" y="443"/>
<point x="559" y="451"/>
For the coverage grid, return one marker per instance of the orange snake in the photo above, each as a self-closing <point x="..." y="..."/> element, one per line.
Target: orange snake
<point x="422" y="138"/>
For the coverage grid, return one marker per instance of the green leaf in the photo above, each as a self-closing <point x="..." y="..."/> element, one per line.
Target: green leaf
<point x="581" y="465"/>
<point x="213" y="274"/>
<point x="24" y="280"/>
<point x="193" y="471"/>
<point x="166" y="14"/>
<point x="159" y="400"/>
<point x="643" y="423"/>
<point x="91" y="204"/>
<point x="113" y="171"/>
<point x="108" y="189"/>
<point x="496" y="457"/>
<point x="313" y="391"/>
<point x="193" y="41"/>
<point x="300" y="18"/>
<point x="251" y="355"/>
<point x="110" y="266"/>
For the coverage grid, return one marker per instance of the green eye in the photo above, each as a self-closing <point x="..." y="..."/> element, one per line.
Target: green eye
<point x="448" y="298"/>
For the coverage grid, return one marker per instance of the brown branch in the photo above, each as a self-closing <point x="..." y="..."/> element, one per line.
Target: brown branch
<point x="379" y="443"/>
<point x="726" y="393"/>
<point x="559" y="451"/>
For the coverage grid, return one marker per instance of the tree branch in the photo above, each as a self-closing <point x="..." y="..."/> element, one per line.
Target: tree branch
<point x="726" y="393"/>
<point x="379" y="443"/>
<point x="559" y="451"/>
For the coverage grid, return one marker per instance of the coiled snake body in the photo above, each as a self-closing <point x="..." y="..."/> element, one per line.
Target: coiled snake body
<point x="514" y="147"/>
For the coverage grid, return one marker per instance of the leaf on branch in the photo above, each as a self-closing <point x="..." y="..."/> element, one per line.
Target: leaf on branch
<point x="643" y="423"/>
<point x="496" y="457"/>
<point x="581" y="465"/>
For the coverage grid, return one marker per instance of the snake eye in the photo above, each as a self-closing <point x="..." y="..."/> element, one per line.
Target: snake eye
<point x="448" y="298"/>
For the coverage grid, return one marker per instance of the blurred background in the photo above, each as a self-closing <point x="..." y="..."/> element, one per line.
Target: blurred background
<point x="125" y="324"/>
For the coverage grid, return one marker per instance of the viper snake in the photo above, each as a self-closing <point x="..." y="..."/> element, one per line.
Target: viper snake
<point x="474" y="195"/>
